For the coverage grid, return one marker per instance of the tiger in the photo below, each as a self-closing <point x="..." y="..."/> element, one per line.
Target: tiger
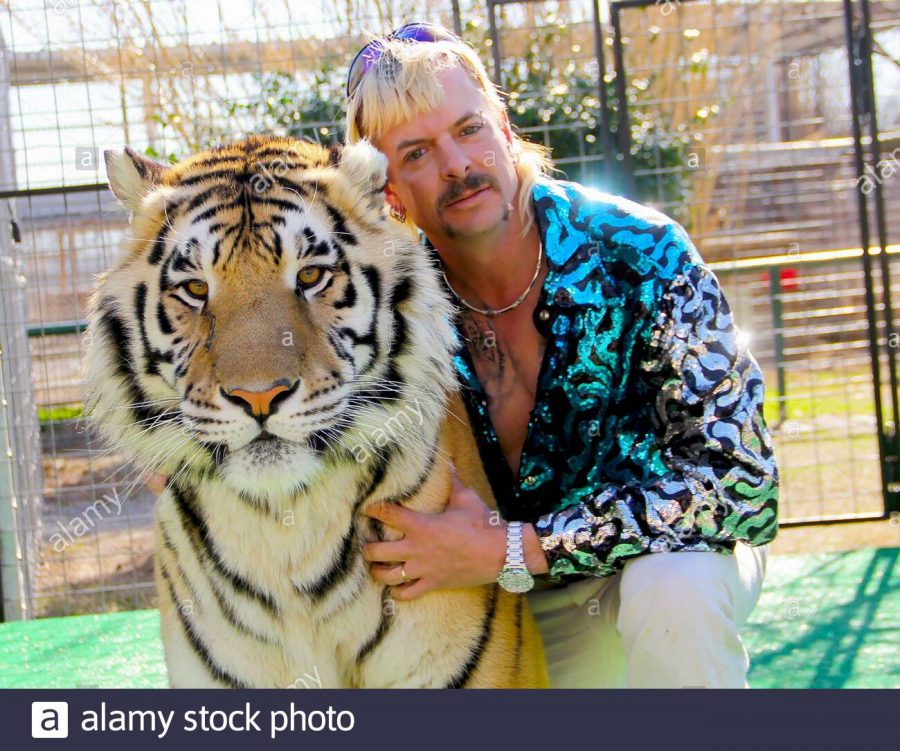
<point x="282" y="350"/>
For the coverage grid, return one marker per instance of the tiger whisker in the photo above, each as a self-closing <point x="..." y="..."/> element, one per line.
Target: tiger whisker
<point x="187" y="465"/>
<point x="156" y="459"/>
<point x="408" y="433"/>
<point x="94" y="416"/>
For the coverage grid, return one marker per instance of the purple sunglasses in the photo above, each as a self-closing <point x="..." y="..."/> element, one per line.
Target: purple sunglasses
<point x="370" y="54"/>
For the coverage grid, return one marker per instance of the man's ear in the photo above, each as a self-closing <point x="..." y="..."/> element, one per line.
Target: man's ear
<point x="393" y="200"/>
<point x="505" y="126"/>
<point x="131" y="176"/>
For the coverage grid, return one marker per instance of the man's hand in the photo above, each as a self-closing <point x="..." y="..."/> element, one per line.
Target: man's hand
<point x="459" y="547"/>
<point x="463" y="546"/>
<point x="156" y="482"/>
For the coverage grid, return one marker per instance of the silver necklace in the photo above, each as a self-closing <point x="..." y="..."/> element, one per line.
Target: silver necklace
<point x="518" y="301"/>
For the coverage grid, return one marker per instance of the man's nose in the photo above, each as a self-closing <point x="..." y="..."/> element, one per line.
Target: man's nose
<point x="260" y="404"/>
<point x="455" y="163"/>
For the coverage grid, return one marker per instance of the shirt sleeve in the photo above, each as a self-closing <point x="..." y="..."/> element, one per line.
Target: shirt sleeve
<point x="704" y="396"/>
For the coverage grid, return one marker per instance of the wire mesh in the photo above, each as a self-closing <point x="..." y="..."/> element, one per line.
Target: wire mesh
<point x="739" y="124"/>
<point x="761" y="90"/>
<point x="167" y="78"/>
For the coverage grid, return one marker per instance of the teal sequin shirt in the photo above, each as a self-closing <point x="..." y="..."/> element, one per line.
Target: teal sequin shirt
<point x="647" y="432"/>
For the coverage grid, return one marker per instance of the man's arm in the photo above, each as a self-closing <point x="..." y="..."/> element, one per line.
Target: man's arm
<point x="722" y="483"/>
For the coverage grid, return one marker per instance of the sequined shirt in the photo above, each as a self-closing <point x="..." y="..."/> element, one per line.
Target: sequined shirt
<point x="647" y="432"/>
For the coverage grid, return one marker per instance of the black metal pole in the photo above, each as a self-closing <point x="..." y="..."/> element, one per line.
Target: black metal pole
<point x="52" y="191"/>
<point x="854" y="61"/>
<point x="457" y="19"/>
<point x="495" y="40"/>
<point x="623" y="132"/>
<point x="605" y="141"/>
<point x="869" y="103"/>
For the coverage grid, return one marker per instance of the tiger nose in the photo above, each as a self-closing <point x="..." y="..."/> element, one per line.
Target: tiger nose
<point x="260" y="403"/>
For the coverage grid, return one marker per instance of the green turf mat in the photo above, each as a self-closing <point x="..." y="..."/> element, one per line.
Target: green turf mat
<point x="828" y="621"/>
<point x="823" y="621"/>
<point x="115" y="650"/>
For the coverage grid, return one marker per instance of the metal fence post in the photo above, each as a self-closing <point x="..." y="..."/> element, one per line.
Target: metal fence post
<point x="778" y="329"/>
<point x="21" y="471"/>
<point x="855" y="30"/>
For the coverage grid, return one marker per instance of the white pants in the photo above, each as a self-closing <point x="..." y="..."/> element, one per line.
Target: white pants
<point x="665" y="620"/>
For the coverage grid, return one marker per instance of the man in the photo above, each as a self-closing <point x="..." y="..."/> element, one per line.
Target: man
<point x="618" y="413"/>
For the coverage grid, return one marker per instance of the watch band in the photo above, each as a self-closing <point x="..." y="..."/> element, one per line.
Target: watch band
<point x="515" y="552"/>
<point x="515" y="576"/>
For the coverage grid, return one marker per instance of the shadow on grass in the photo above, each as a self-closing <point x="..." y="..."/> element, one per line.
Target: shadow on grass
<point x="843" y="628"/>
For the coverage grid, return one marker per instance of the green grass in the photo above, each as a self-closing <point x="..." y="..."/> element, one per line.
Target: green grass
<point x="60" y="412"/>
<point x="811" y="394"/>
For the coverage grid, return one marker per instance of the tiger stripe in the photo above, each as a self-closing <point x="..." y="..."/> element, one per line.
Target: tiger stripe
<point x="200" y="649"/>
<point x="463" y="678"/>
<point x="195" y="528"/>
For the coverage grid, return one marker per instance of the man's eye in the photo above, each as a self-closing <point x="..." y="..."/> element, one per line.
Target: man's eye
<point x="414" y="155"/>
<point x="470" y="130"/>
<point x="309" y="276"/>
<point x="197" y="288"/>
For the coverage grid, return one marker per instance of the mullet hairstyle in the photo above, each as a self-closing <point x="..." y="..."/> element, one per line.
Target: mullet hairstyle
<point x="403" y="82"/>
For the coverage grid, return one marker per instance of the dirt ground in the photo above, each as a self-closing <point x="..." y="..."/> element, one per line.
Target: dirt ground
<point x="828" y="538"/>
<point x="93" y="556"/>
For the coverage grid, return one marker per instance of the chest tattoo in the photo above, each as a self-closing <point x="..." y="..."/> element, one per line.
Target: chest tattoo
<point x="484" y="347"/>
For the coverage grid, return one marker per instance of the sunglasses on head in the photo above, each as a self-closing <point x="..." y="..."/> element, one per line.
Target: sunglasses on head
<point x="372" y="52"/>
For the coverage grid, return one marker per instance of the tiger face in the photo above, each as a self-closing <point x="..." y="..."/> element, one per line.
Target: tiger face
<point x="267" y="316"/>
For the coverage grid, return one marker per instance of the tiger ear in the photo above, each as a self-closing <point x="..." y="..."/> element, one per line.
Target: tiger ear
<point x="364" y="165"/>
<point x="334" y="153"/>
<point x="131" y="176"/>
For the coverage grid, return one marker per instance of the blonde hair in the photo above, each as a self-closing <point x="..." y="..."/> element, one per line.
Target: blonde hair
<point x="403" y="82"/>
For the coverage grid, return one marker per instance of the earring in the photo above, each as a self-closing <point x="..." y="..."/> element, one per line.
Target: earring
<point x="398" y="214"/>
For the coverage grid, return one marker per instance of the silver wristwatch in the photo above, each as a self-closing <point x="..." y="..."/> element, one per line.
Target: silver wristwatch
<point x="515" y="577"/>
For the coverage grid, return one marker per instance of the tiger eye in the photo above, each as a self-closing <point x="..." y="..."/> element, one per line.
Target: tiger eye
<point x="197" y="287"/>
<point x="309" y="276"/>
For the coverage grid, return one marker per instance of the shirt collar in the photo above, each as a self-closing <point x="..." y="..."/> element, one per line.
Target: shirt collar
<point x="577" y="274"/>
<point x="576" y="277"/>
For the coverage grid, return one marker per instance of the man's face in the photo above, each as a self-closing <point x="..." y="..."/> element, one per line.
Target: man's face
<point x="451" y="168"/>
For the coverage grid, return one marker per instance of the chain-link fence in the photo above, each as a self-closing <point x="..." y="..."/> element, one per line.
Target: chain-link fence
<point x="762" y="91"/>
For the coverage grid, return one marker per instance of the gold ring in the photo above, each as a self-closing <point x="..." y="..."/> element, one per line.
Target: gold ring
<point x="403" y="574"/>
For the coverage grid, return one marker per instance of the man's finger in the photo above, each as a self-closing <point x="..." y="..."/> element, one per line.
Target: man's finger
<point x="464" y="495"/>
<point x="156" y="482"/>
<point x="455" y="483"/>
<point x="380" y="552"/>
<point x="392" y="514"/>
<point x="384" y="573"/>
<point x="411" y="590"/>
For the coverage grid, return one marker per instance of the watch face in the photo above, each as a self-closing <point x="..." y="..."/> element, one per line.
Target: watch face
<point x="516" y="580"/>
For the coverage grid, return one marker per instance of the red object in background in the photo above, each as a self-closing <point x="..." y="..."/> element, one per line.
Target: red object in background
<point x="789" y="277"/>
